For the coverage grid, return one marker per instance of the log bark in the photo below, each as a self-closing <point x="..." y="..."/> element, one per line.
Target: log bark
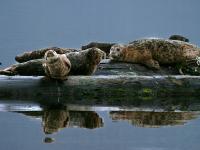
<point x="167" y="92"/>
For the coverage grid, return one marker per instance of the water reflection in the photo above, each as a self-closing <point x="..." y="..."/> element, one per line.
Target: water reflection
<point x="153" y="119"/>
<point x="55" y="119"/>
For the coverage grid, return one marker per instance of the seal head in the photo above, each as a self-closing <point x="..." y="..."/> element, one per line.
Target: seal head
<point x="51" y="56"/>
<point x="56" y="66"/>
<point x="116" y="52"/>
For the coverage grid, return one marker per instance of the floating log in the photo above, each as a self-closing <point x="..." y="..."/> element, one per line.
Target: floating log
<point x="167" y="92"/>
<point x="109" y="67"/>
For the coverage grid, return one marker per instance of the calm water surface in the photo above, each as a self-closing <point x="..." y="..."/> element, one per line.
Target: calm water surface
<point x="64" y="129"/>
<point x="32" y="24"/>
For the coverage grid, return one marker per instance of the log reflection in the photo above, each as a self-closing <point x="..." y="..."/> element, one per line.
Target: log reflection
<point x="153" y="119"/>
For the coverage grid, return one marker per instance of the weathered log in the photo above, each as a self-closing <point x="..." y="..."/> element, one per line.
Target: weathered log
<point x="39" y="54"/>
<point x="109" y="67"/>
<point x="82" y="63"/>
<point x="166" y="92"/>
<point x="103" y="46"/>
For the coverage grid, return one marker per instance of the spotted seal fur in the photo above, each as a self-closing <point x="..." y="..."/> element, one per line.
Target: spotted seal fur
<point x="153" y="52"/>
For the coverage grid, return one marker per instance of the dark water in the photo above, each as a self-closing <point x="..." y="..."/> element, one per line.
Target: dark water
<point x="32" y="24"/>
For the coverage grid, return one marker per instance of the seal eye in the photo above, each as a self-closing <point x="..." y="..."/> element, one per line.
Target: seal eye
<point x="117" y="49"/>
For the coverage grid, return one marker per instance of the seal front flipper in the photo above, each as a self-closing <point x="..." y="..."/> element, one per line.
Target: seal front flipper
<point x="153" y="64"/>
<point x="46" y="69"/>
<point x="66" y="61"/>
<point x="180" y="71"/>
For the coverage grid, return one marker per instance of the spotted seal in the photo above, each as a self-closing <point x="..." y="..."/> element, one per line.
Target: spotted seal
<point x="153" y="52"/>
<point x="178" y="37"/>
<point x="56" y="66"/>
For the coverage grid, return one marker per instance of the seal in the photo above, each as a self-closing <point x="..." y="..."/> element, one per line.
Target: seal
<point x="153" y="52"/>
<point x="56" y="66"/>
<point x="86" y="61"/>
<point x="39" y="53"/>
<point x="179" y="38"/>
<point x="102" y="46"/>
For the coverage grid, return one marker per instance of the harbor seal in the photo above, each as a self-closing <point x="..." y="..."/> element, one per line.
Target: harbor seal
<point x="179" y="38"/>
<point x="56" y="66"/>
<point x="86" y="61"/>
<point x="39" y="53"/>
<point x="102" y="46"/>
<point x="153" y="52"/>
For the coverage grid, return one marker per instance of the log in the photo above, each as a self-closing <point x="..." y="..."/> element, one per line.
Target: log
<point x="109" y="67"/>
<point x="155" y="92"/>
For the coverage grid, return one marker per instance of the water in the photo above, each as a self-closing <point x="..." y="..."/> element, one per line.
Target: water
<point x="27" y="25"/>
<point x="59" y="128"/>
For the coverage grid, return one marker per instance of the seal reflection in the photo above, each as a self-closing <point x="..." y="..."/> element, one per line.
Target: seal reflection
<point x="153" y="119"/>
<point x="54" y="120"/>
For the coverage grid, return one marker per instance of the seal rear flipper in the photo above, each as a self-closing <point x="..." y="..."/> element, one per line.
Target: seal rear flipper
<point x="152" y="64"/>
<point x="10" y="71"/>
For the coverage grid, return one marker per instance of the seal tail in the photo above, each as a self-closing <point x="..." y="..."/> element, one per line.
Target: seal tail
<point x="198" y="60"/>
<point x="192" y="67"/>
<point x="193" y="62"/>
